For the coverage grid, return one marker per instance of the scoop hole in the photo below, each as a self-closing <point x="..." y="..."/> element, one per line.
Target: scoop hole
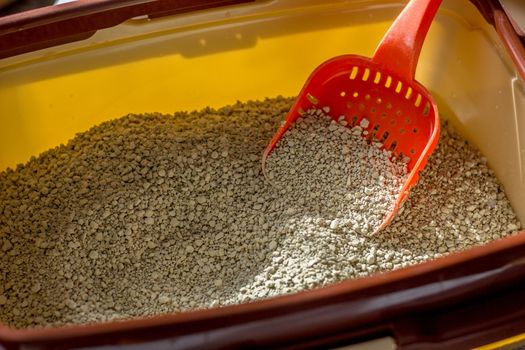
<point x="398" y="112"/>
<point x="409" y="93"/>
<point x="342" y="94"/>
<point x="349" y="104"/>
<point x="383" y="115"/>
<point x="399" y="86"/>
<point x="366" y="74"/>
<point x="412" y="151"/>
<point x="393" y="122"/>
<point x="393" y="145"/>
<point x="415" y="130"/>
<point x="389" y="106"/>
<point x="402" y="131"/>
<point x="388" y="82"/>
<point x="384" y="137"/>
<point x="354" y="72"/>
<point x="374" y="131"/>
<point x="312" y="98"/>
<point x="361" y="107"/>
<point x="426" y="110"/>
<point x="377" y="78"/>
<point x="408" y="121"/>
<point x="373" y="109"/>
<point x="367" y="97"/>
<point x="418" y="100"/>
<point x="354" y="120"/>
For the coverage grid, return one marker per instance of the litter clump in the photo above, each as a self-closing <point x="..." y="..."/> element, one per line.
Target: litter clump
<point x="150" y="214"/>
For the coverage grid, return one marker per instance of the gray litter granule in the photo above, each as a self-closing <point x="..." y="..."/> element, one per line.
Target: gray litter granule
<point x="152" y="213"/>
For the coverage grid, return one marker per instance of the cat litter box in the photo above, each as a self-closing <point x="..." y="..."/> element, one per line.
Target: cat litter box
<point x="69" y="67"/>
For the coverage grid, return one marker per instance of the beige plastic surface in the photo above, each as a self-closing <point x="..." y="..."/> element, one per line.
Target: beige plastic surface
<point x="386" y="343"/>
<point x="515" y="9"/>
<point x="252" y="51"/>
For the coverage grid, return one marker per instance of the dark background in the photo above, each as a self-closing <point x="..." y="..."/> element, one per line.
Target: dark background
<point x="8" y="7"/>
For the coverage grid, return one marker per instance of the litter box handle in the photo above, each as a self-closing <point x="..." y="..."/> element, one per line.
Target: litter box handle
<point x="400" y="47"/>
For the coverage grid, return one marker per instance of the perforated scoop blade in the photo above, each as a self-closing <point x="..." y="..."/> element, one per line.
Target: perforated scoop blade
<point x="402" y="114"/>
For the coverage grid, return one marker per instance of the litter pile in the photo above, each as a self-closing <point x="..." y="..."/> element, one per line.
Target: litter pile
<point x="155" y="213"/>
<point x="328" y="172"/>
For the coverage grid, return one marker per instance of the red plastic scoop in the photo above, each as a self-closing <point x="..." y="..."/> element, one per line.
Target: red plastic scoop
<point x="401" y="112"/>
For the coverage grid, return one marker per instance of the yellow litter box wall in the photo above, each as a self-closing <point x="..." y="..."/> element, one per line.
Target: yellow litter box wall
<point x="40" y="113"/>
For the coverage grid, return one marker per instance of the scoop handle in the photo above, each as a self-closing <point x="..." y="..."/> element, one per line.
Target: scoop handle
<point x="399" y="49"/>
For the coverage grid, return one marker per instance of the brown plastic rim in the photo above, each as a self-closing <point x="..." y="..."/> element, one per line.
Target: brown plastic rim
<point x="55" y="25"/>
<point x="459" y="301"/>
